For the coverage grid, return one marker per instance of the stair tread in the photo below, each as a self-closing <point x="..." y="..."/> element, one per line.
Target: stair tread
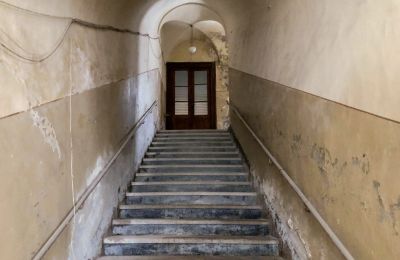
<point x="190" y="183"/>
<point x="195" y="193"/>
<point x="188" y="206"/>
<point x="192" y="166"/>
<point x="190" y="258"/>
<point x="189" y="146"/>
<point x="191" y="159"/>
<point x="171" y="239"/>
<point x="155" y="153"/>
<point x="190" y="174"/>
<point x="166" y="221"/>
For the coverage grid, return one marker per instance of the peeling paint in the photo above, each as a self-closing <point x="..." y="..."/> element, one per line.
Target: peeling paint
<point x="285" y="225"/>
<point x="323" y="158"/>
<point x="385" y="214"/>
<point x="362" y="162"/>
<point x="47" y="131"/>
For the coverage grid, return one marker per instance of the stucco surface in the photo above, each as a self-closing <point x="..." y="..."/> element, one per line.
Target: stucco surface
<point x="345" y="51"/>
<point x="73" y="109"/>
<point x="344" y="160"/>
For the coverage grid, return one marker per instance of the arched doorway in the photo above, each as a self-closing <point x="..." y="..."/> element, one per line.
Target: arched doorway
<point x="195" y="83"/>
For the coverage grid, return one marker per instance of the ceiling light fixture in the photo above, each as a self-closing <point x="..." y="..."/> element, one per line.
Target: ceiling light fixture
<point x="192" y="49"/>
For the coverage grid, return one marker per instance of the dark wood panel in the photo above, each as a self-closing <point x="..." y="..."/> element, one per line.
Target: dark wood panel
<point x="191" y="121"/>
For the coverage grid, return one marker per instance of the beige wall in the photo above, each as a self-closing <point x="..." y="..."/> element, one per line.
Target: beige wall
<point x="339" y="144"/>
<point x="345" y="51"/>
<point x="62" y="120"/>
<point x="342" y="51"/>
<point x="72" y="105"/>
<point x="344" y="160"/>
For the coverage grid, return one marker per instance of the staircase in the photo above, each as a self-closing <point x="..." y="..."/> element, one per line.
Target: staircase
<point x="191" y="199"/>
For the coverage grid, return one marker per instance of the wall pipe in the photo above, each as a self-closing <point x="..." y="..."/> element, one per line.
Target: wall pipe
<point x="296" y="188"/>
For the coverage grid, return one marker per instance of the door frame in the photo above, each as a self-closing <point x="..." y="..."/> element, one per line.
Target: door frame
<point x="170" y="91"/>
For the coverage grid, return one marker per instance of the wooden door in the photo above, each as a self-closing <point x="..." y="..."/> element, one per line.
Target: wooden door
<point x="191" y="95"/>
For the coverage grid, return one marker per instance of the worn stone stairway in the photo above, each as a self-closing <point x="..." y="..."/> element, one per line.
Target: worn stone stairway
<point x="191" y="199"/>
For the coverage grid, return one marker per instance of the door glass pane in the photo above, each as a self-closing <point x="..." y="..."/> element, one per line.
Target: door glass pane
<point x="181" y="108"/>
<point x="200" y="78"/>
<point x="200" y="108"/>
<point x="181" y="94"/>
<point x="200" y="93"/>
<point x="181" y="78"/>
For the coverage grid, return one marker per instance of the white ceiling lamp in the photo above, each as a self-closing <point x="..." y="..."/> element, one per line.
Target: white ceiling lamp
<point x="192" y="49"/>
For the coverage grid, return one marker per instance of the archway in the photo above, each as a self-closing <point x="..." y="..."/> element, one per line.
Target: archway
<point x="209" y="37"/>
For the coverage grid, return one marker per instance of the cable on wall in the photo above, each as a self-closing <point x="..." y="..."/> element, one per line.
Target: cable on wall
<point x="64" y="34"/>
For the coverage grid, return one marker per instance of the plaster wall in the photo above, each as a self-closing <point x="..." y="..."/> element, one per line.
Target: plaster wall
<point x="66" y="108"/>
<point x="318" y="82"/>
<point x="344" y="51"/>
<point x="344" y="160"/>
<point x="71" y="89"/>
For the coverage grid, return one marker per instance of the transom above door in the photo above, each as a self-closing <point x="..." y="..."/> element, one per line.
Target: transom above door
<point x="191" y="95"/>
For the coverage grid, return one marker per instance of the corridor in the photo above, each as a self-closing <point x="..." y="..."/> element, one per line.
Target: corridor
<point x="281" y="117"/>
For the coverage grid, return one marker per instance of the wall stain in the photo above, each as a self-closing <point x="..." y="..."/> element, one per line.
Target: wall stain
<point x="47" y="131"/>
<point x="363" y="163"/>
<point x="387" y="215"/>
<point x="323" y="158"/>
<point x="297" y="144"/>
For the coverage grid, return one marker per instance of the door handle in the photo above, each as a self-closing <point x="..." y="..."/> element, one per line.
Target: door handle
<point x="167" y="115"/>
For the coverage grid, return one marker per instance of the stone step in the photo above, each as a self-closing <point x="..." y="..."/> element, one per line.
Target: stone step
<point x="172" y="186"/>
<point x="158" y="177"/>
<point x="192" y="135"/>
<point x="190" y="258"/>
<point x="202" y="155"/>
<point x="169" y="161"/>
<point x="192" y="138"/>
<point x="191" y="168"/>
<point x="191" y="211"/>
<point x="194" y="131"/>
<point x="188" y="149"/>
<point x="227" y="198"/>
<point x="191" y="227"/>
<point x="191" y="245"/>
<point x="191" y="144"/>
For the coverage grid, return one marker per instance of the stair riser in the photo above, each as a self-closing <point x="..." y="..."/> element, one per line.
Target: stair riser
<point x="192" y="161"/>
<point x="193" y="149"/>
<point x="191" y="144"/>
<point x="194" y="155"/>
<point x="191" y="178"/>
<point x="201" y="187"/>
<point x="200" y="131"/>
<point x="191" y="249"/>
<point x="192" y="213"/>
<point x="192" y="169"/>
<point x="197" y="199"/>
<point x="192" y="139"/>
<point x="193" y="136"/>
<point x="195" y="230"/>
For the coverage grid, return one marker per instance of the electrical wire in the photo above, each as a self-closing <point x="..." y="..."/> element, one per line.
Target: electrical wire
<point x="64" y="34"/>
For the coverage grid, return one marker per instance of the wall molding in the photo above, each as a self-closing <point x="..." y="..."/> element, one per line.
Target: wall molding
<point x="335" y="239"/>
<point x="92" y="186"/>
